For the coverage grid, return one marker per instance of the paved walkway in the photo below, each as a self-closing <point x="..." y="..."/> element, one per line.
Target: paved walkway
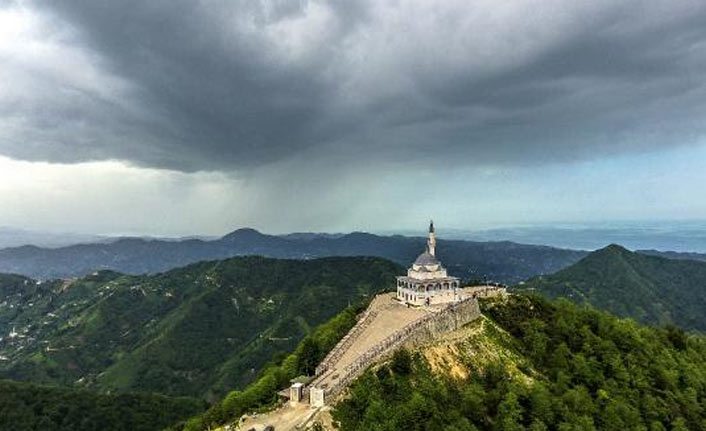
<point x="391" y="317"/>
<point x="287" y="418"/>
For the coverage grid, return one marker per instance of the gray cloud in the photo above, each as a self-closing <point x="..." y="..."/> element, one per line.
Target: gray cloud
<point x="230" y="85"/>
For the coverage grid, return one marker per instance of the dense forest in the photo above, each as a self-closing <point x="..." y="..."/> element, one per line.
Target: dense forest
<point x="222" y="329"/>
<point x="653" y="290"/>
<point x="569" y="369"/>
<point x="202" y="330"/>
<point x="29" y="407"/>
<point x="262" y="394"/>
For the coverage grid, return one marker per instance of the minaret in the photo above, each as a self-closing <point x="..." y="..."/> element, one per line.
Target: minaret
<point x="431" y="242"/>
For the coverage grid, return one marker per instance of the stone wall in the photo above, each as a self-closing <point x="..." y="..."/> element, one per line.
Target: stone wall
<point x="418" y="332"/>
<point x="485" y="291"/>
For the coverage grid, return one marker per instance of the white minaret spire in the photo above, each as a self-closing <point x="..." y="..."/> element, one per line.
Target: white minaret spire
<point x="431" y="242"/>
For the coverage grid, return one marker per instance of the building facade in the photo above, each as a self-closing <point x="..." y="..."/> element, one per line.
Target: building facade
<point x="427" y="282"/>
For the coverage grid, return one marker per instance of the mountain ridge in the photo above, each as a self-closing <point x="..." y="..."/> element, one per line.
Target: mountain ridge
<point x="199" y="330"/>
<point x="536" y="365"/>
<point x="652" y="289"/>
<point x="500" y="261"/>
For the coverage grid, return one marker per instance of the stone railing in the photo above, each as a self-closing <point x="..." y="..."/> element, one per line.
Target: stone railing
<point x="342" y="346"/>
<point x="487" y="291"/>
<point x="448" y="316"/>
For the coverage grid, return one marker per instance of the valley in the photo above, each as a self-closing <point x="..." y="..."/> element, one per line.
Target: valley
<point x="220" y="215"/>
<point x="222" y="331"/>
<point x="201" y="330"/>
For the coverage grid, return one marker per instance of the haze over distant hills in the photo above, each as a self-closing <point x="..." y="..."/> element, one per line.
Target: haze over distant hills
<point x="11" y="237"/>
<point x="500" y="261"/>
<point x="679" y="236"/>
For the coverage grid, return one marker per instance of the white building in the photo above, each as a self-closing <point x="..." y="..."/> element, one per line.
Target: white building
<point x="427" y="282"/>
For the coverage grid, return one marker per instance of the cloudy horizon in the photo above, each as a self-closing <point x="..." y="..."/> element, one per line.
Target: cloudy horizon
<point x="180" y="118"/>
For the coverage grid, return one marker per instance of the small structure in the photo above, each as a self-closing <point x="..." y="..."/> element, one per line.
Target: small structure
<point x="296" y="392"/>
<point x="317" y="397"/>
<point x="427" y="282"/>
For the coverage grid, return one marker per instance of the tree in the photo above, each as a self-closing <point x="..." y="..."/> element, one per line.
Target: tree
<point x="308" y="357"/>
<point x="401" y="362"/>
<point x="510" y="413"/>
<point x="537" y="425"/>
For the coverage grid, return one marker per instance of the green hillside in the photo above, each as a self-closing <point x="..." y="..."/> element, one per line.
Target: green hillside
<point x="538" y="366"/>
<point x="201" y="330"/>
<point x="262" y="394"/>
<point x="29" y="407"/>
<point x="650" y="289"/>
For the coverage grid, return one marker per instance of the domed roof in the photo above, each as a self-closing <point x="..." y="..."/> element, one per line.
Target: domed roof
<point x="426" y="258"/>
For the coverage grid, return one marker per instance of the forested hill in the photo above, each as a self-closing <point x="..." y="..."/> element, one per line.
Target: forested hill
<point x="201" y="330"/>
<point x="651" y="289"/>
<point x="30" y="407"/>
<point x="538" y="366"/>
<point x="500" y="261"/>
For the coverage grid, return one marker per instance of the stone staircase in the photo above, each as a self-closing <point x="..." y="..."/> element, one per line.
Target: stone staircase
<point x="385" y="326"/>
<point x="379" y="303"/>
<point x="398" y="339"/>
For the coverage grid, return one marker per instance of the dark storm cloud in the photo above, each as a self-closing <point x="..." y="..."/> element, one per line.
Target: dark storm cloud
<point x="222" y="85"/>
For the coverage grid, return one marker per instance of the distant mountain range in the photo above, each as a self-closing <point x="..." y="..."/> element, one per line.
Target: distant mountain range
<point x="652" y="289"/>
<point x="211" y="327"/>
<point x="500" y="261"/>
<point x="10" y="237"/>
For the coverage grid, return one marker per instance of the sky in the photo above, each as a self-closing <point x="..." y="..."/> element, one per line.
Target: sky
<point x="175" y="117"/>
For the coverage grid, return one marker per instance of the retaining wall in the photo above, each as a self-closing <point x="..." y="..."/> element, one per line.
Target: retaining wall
<point x="418" y="332"/>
